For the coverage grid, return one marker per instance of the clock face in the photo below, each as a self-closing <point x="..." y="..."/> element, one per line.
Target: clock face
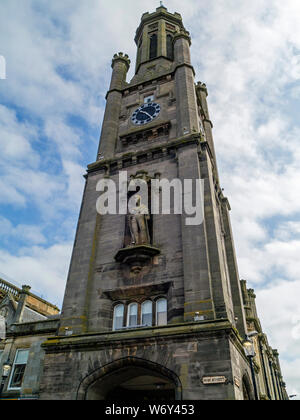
<point x="145" y="114"/>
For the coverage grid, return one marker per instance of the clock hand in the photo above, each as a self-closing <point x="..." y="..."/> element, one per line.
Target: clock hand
<point x="143" y="112"/>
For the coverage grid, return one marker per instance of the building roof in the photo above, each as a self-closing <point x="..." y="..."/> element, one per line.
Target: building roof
<point x="33" y="303"/>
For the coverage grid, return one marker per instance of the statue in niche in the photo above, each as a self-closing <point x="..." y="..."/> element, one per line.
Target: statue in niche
<point x="4" y="312"/>
<point x="138" y="223"/>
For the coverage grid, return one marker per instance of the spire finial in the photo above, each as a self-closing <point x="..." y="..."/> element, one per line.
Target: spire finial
<point x="162" y="5"/>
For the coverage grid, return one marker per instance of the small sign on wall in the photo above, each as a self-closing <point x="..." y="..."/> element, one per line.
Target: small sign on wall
<point x="213" y="380"/>
<point x="237" y="382"/>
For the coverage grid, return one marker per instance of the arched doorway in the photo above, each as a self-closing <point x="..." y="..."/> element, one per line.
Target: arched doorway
<point x="131" y="379"/>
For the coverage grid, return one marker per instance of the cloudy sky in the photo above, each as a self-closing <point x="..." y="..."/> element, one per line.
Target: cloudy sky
<point x="58" y="55"/>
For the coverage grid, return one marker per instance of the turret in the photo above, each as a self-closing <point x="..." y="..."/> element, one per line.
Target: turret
<point x="110" y="127"/>
<point x="187" y="112"/>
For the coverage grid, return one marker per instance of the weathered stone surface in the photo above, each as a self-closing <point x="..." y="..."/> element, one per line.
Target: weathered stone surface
<point x="193" y="268"/>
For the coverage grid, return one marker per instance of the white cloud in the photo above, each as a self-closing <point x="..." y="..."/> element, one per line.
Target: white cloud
<point x="287" y="231"/>
<point x="44" y="269"/>
<point x="74" y="173"/>
<point x="15" y="139"/>
<point x="279" y="309"/>
<point x="20" y="233"/>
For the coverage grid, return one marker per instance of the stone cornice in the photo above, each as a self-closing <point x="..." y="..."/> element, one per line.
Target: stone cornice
<point x="139" y="129"/>
<point x="161" y="77"/>
<point x="114" y="90"/>
<point x="185" y="65"/>
<point x="195" y="138"/>
<point x="151" y="61"/>
<point x="150" y="334"/>
<point x="36" y="328"/>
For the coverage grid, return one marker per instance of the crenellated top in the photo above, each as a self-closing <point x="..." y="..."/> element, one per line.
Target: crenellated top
<point x="182" y="33"/>
<point x="121" y="57"/>
<point x="120" y="65"/>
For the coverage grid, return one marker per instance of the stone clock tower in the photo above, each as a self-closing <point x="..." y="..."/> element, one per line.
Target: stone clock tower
<point x="153" y="307"/>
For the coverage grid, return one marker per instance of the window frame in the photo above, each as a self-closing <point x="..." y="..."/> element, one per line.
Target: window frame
<point x="139" y="313"/>
<point x="148" y="313"/>
<point x="128" y="315"/>
<point x="12" y="388"/>
<point x="156" y="311"/>
<point x="114" y="317"/>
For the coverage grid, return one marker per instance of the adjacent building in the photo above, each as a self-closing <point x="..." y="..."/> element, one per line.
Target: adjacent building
<point x="29" y="321"/>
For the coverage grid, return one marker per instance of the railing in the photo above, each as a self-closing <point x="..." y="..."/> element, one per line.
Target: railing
<point x="9" y="288"/>
<point x="6" y="287"/>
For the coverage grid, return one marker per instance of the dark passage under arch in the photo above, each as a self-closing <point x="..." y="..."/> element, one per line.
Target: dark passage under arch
<point x="131" y="379"/>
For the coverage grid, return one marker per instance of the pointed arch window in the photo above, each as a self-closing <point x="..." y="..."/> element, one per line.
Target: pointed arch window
<point x="118" y="317"/>
<point x="153" y="47"/>
<point x="147" y="313"/>
<point x="170" y="48"/>
<point x="132" y="316"/>
<point x="161" y="312"/>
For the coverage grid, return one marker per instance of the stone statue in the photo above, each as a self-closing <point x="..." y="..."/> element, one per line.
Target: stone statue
<point x="138" y="224"/>
<point x="4" y="312"/>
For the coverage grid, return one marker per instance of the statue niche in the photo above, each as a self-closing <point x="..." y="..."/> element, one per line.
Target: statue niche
<point x="137" y="248"/>
<point x="138" y="222"/>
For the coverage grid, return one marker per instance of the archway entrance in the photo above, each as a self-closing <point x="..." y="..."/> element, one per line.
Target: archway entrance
<point x="132" y="384"/>
<point x="131" y="380"/>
